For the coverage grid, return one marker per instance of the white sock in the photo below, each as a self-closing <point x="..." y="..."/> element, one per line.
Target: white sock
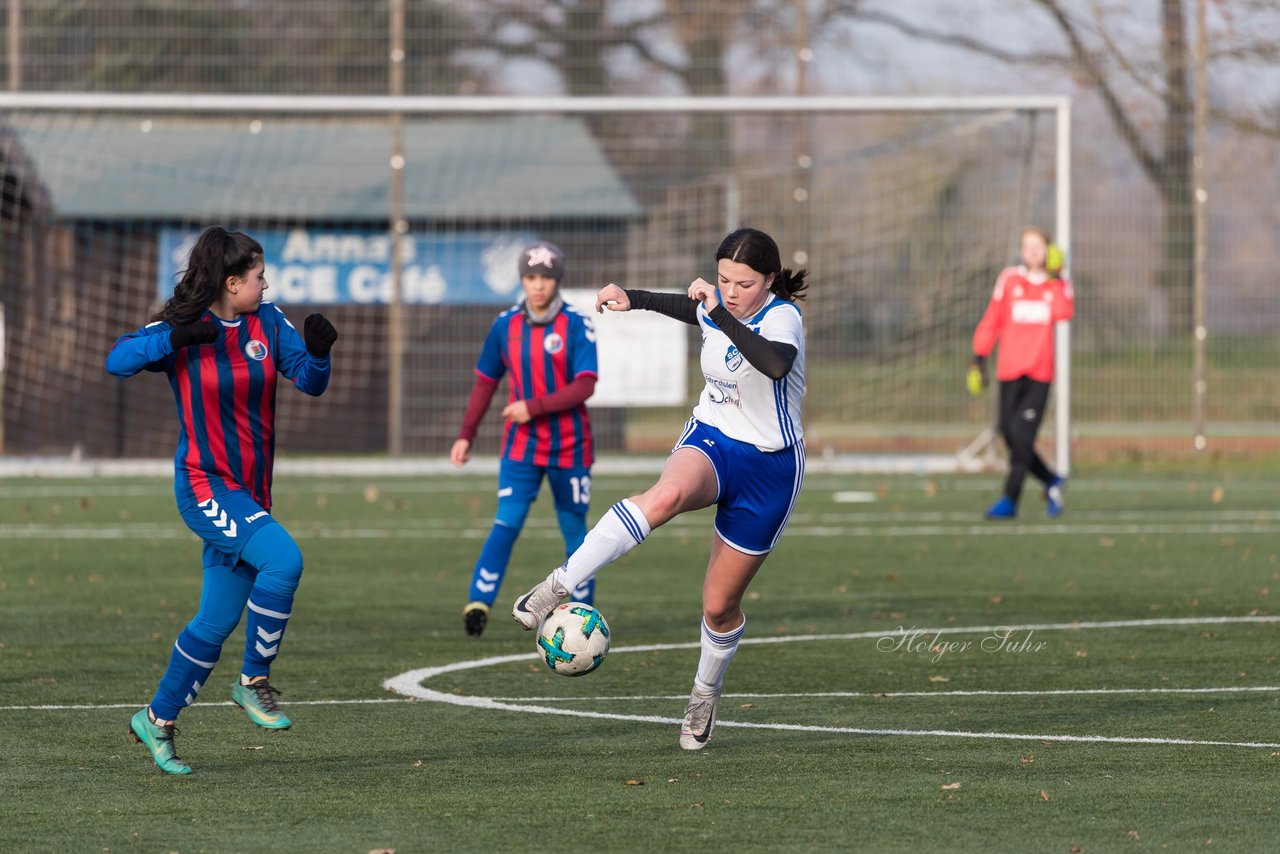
<point x="618" y="532"/>
<point x="717" y="652"/>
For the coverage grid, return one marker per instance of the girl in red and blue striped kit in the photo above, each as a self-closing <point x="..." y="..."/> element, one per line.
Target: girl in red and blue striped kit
<point x="547" y="352"/>
<point x="223" y="349"/>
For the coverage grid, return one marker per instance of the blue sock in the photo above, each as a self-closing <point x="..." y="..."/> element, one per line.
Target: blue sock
<point x="268" y="614"/>
<point x="491" y="566"/>
<point x="190" y="664"/>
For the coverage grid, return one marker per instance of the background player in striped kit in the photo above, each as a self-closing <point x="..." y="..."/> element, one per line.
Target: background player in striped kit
<point x="222" y="347"/>
<point x="548" y="352"/>
<point x="742" y="450"/>
<point x="1026" y="303"/>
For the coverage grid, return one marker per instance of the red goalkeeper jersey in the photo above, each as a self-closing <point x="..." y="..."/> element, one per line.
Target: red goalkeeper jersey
<point x="1020" y="317"/>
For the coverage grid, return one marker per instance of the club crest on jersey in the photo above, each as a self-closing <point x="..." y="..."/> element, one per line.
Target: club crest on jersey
<point x="732" y="358"/>
<point x="553" y="343"/>
<point x="255" y="350"/>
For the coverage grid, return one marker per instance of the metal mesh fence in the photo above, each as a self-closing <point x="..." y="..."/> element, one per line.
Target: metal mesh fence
<point x="904" y="220"/>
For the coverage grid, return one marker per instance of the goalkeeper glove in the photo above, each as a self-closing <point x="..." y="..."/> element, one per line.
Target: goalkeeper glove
<point x="976" y="379"/>
<point x="205" y="332"/>
<point x="319" y="335"/>
<point x="1054" y="259"/>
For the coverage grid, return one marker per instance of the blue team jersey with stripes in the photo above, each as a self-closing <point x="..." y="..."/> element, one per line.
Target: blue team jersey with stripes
<point x="538" y="360"/>
<point x="743" y="403"/>
<point x="225" y="394"/>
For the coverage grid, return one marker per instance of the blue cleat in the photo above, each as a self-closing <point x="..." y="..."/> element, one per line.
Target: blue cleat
<point x="1054" y="500"/>
<point x="1003" y="509"/>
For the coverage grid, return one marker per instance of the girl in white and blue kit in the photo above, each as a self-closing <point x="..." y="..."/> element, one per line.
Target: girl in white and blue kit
<point x="743" y="451"/>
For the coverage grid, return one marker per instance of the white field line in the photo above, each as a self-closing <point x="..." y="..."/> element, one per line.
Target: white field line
<point x="469" y="481"/>
<point x="431" y="530"/>
<point x="1063" y="692"/>
<point x="71" y="707"/>
<point x="411" y="684"/>
<point x="877" y="695"/>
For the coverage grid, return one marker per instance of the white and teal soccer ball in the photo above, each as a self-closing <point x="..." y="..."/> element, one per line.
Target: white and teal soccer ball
<point x="574" y="639"/>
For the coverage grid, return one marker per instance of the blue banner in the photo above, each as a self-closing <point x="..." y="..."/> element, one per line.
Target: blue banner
<point x="319" y="267"/>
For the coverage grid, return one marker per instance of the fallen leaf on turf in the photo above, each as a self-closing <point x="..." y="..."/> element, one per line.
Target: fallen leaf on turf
<point x="1075" y="849"/>
<point x="382" y="851"/>
<point x="419" y="764"/>
<point x="747" y="706"/>
<point x="1044" y="796"/>
<point x="939" y="678"/>
<point x="1027" y="760"/>
<point x="673" y="779"/>
<point x="371" y="493"/>
<point x="996" y="599"/>
<point x="1216" y="495"/>
<point x="635" y="782"/>
<point x="950" y="787"/>
<point x="1133" y="834"/>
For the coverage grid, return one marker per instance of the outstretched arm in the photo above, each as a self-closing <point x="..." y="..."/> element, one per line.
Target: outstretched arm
<point x="678" y="306"/>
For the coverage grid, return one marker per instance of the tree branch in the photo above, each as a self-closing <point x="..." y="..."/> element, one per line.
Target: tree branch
<point x="959" y="41"/>
<point x="1129" y="132"/>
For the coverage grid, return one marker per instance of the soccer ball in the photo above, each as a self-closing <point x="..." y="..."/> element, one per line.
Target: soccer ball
<point x="574" y="639"/>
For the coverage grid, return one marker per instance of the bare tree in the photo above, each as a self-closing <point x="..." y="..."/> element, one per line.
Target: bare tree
<point x="1110" y="65"/>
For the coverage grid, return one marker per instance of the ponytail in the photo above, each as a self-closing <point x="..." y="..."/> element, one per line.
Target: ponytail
<point x="790" y="286"/>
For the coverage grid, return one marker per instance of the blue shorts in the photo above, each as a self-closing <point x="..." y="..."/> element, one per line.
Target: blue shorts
<point x="225" y="523"/>
<point x="519" y="482"/>
<point x="756" y="490"/>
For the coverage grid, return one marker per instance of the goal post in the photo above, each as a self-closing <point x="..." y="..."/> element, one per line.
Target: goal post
<point x="903" y="208"/>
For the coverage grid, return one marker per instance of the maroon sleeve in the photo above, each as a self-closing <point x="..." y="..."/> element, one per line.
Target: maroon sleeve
<point x="571" y="396"/>
<point x="481" y="395"/>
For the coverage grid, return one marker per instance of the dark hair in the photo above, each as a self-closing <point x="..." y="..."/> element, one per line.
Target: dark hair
<point x="218" y="254"/>
<point x="758" y="251"/>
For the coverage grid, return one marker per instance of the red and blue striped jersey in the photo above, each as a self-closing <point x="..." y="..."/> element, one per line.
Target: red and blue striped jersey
<point x="226" y="393"/>
<point x="540" y="360"/>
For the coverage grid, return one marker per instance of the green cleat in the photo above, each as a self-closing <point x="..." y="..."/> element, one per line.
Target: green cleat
<point x="159" y="740"/>
<point x="259" y="703"/>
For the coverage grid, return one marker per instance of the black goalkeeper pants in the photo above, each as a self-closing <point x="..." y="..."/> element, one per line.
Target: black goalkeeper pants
<point x="1022" y="403"/>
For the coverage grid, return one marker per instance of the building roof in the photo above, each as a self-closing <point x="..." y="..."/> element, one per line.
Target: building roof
<point x="168" y="167"/>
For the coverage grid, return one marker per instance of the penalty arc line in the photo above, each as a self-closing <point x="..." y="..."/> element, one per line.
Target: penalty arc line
<point x="409" y="684"/>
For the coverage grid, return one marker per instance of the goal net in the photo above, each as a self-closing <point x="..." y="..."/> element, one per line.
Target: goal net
<point x="903" y="211"/>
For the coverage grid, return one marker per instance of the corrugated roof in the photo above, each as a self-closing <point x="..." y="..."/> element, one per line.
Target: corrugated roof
<point x="527" y="167"/>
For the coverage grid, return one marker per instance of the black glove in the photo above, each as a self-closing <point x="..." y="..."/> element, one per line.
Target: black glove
<point x="197" y="333"/>
<point x="319" y="334"/>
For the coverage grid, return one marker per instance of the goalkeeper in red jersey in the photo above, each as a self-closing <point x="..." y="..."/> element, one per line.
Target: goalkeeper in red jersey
<point x="1026" y="303"/>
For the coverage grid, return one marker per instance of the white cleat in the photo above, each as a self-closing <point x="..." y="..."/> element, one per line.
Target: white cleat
<point x="532" y="608"/>
<point x="699" y="719"/>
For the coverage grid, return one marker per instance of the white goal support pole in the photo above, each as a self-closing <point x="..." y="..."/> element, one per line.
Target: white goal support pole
<point x="1062" y="340"/>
